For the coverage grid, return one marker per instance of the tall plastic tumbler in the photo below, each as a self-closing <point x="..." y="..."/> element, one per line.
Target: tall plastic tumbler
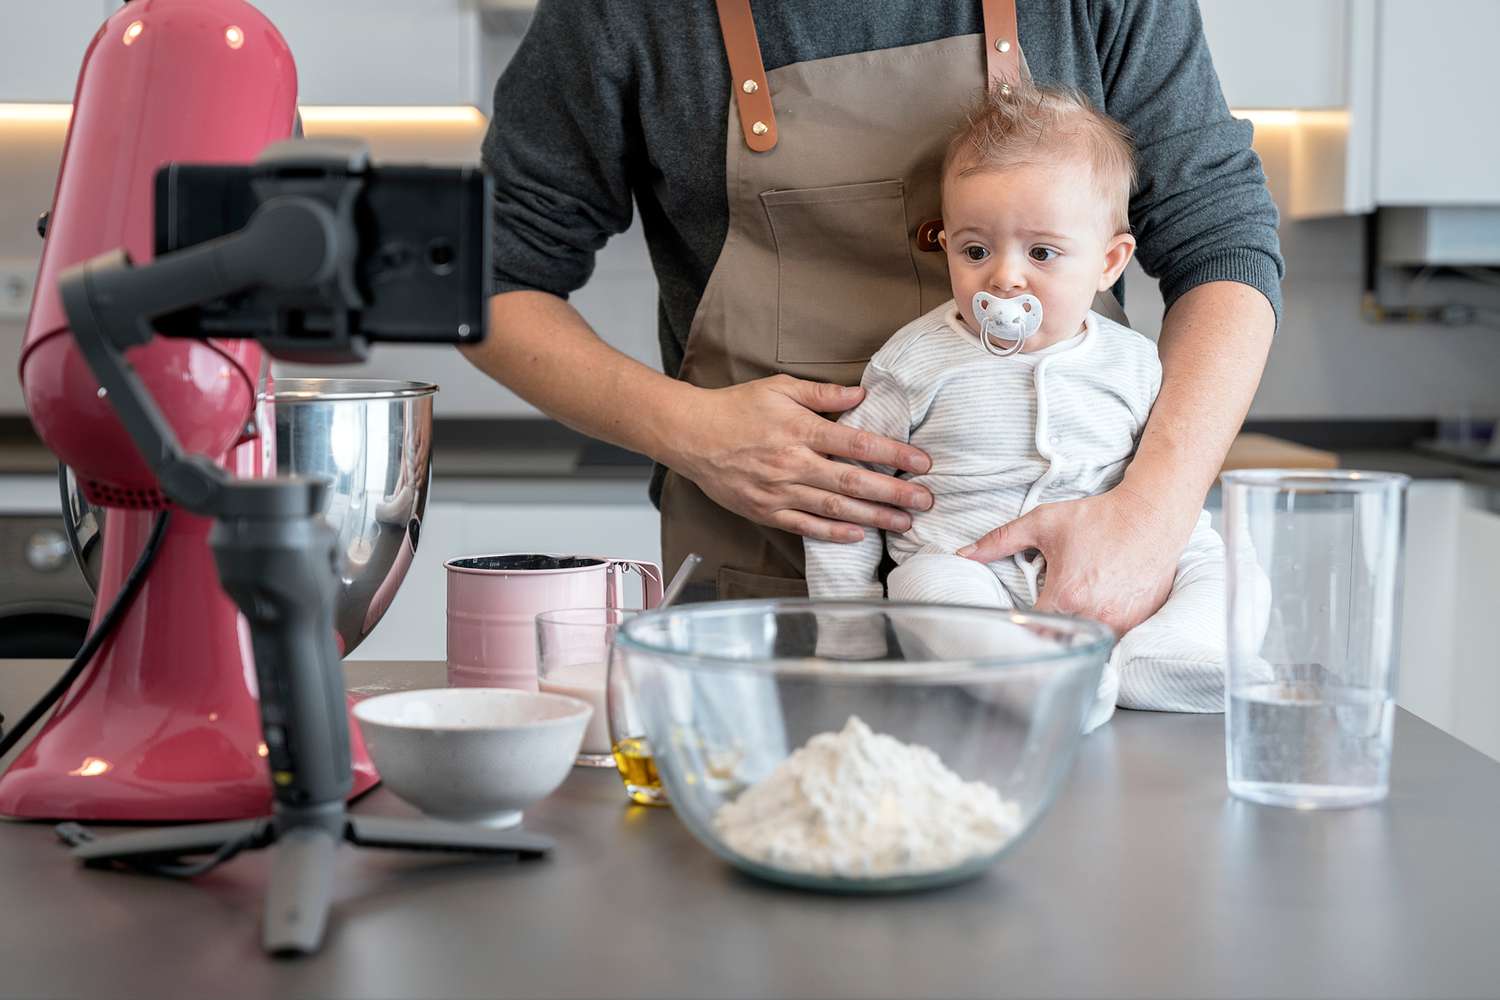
<point x="1314" y="592"/>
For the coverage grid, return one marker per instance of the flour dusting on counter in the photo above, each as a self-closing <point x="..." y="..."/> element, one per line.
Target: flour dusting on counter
<point x="860" y="804"/>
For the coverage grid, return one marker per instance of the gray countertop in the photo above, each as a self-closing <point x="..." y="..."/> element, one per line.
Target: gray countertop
<point x="473" y="475"/>
<point x="1145" y="879"/>
<point x="1421" y="465"/>
<point x="467" y="453"/>
<point x="546" y="476"/>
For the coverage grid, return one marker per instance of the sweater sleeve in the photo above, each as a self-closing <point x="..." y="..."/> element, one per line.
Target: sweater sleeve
<point x="1201" y="211"/>
<point x="559" y="146"/>
<point x="850" y="570"/>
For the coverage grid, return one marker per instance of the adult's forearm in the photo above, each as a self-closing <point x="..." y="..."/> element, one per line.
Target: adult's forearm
<point x="1213" y="345"/>
<point x="541" y="349"/>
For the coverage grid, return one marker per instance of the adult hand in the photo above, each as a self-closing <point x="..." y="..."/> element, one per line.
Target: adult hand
<point x="1110" y="557"/>
<point x="763" y="450"/>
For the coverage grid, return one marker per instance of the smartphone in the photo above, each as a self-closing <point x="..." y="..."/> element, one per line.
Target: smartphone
<point x="422" y="264"/>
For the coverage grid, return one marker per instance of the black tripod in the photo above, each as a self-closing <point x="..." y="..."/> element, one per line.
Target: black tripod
<point x="274" y="552"/>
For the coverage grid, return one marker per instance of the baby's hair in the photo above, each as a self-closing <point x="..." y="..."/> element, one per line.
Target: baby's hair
<point x="1032" y="123"/>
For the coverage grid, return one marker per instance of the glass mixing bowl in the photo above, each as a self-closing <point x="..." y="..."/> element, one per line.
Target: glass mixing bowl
<point x="728" y="691"/>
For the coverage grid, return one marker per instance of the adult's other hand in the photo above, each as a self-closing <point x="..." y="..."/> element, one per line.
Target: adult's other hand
<point x="764" y="450"/>
<point x="1110" y="557"/>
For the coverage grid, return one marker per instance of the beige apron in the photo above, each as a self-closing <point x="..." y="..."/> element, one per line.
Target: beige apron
<point x="832" y="170"/>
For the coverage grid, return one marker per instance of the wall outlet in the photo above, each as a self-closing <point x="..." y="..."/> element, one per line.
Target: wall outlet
<point x="17" y="281"/>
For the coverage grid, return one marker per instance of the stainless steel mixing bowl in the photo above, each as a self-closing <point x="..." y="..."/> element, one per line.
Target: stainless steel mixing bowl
<point x="372" y="440"/>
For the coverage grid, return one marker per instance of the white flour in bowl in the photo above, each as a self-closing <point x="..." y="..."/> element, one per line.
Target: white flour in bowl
<point x="859" y="804"/>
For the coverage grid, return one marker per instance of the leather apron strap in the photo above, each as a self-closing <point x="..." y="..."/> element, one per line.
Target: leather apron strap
<point x="1002" y="45"/>
<point x="758" y="118"/>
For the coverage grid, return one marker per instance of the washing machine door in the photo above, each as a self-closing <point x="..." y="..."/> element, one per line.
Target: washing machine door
<point x="44" y="601"/>
<point x="42" y="632"/>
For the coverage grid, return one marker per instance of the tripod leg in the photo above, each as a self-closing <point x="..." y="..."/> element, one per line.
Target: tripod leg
<point x="301" y="891"/>
<point x="435" y="835"/>
<point x="170" y="842"/>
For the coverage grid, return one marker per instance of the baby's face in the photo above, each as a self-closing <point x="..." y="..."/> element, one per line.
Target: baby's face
<point x="1041" y="230"/>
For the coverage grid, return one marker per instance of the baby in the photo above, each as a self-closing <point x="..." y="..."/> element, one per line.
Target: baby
<point x="1022" y="394"/>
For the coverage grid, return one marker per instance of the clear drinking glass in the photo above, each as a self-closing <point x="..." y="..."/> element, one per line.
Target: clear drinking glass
<point x="573" y="648"/>
<point x="1314" y="583"/>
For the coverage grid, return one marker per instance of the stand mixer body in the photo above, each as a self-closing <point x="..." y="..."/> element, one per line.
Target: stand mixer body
<point x="164" y="724"/>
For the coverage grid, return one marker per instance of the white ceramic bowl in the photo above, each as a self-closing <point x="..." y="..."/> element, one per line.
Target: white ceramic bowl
<point x="473" y="755"/>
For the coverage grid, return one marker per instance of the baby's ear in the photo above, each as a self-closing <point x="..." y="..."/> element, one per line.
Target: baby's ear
<point x="1117" y="253"/>
<point x="943" y="239"/>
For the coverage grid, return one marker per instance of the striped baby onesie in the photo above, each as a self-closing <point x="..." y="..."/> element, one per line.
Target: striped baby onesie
<point x="1007" y="434"/>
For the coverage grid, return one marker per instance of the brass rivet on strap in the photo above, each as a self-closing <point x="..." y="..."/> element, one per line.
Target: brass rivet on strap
<point x="760" y="128"/>
<point x="749" y="86"/>
<point x="1002" y="45"/>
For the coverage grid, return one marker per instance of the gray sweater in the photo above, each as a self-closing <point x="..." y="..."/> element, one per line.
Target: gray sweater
<point x="612" y="102"/>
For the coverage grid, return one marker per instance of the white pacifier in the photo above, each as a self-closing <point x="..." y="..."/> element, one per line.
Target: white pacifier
<point x="1004" y="324"/>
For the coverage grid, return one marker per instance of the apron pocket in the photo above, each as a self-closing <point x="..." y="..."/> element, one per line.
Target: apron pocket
<point x="737" y="585"/>
<point x="846" y="280"/>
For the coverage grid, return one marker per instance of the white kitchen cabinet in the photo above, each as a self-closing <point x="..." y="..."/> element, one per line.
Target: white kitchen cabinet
<point x="1476" y="651"/>
<point x="1450" y="659"/>
<point x="381" y="52"/>
<point x="42" y="46"/>
<point x="362" y="52"/>
<point x="1279" y="53"/>
<point x="1425" y="682"/>
<point x="414" y="627"/>
<point x="1437" y="132"/>
<point x="1416" y="122"/>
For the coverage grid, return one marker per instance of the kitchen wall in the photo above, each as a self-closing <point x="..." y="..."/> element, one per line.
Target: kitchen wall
<point x="1326" y="363"/>
<point x="29" y="154"/>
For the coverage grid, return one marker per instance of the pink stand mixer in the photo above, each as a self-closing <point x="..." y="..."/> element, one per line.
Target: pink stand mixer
<point x="210" y="685"/>
<point x="164" y="726"/>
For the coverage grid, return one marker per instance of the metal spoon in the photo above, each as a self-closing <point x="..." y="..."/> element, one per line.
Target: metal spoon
<point x="679" y="581"/>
